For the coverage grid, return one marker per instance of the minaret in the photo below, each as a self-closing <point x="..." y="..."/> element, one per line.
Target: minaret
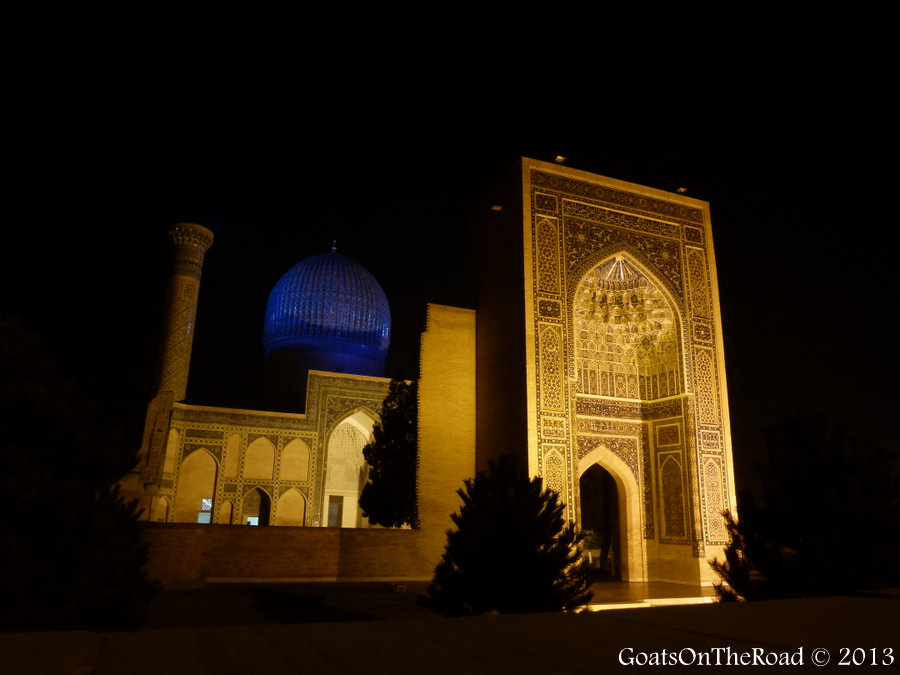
<point x="190" y="243"/>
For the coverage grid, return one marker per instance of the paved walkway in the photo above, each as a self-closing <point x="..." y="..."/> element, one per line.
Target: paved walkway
<point x="279" y="636"/>
<point x="229" y="604"/>
<point x="615" y="594"/>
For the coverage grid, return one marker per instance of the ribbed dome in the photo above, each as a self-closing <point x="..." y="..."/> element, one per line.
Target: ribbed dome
<point x="327" y="300"/>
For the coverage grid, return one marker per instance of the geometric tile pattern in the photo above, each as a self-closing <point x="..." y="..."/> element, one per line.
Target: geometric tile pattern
<point x="627" y="348"/>
<point x="235" y="439"/>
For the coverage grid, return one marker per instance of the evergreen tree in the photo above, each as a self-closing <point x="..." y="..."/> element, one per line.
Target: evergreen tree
<point x="73" y="553"/>
<point x="389" y="497"/>
<point x="741" y="578"/>
<point x="828" y="520"/>
<point x="512" y="550"/>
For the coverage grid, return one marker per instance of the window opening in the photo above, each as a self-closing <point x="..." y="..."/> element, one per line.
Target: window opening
<point x="205" y="514"/>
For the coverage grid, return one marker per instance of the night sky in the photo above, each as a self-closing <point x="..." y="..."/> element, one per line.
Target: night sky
<point x="797" y="158"/>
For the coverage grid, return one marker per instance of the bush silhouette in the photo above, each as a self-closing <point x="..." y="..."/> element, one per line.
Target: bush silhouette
<point x="512" y="550"/>
<point x="827" y="521"/>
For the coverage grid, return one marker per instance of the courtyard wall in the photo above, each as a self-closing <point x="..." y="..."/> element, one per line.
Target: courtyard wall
<point x="191" y="554"/>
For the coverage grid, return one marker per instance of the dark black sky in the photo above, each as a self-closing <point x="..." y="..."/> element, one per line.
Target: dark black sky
<point x="796" y="152"/>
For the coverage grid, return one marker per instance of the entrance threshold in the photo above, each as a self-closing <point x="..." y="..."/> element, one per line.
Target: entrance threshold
<point x="625" y="595"/>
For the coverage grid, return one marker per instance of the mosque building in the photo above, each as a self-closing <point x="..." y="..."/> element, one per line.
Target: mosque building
<point x="594" y="353"/>
<point x="326" y="335"/>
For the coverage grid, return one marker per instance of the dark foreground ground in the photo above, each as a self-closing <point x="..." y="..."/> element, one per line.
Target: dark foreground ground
<point x="379" y="628"/>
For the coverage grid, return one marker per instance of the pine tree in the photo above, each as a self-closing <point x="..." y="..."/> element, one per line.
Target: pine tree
<point x="739" y="573"/>
<point x="512" y="550"/>
<point x="389" y="497"/>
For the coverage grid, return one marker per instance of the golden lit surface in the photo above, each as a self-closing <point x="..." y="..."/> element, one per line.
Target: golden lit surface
<point x="620" y="366"/>
<point x="625" y="367"/>
<point x="446" y="421"/>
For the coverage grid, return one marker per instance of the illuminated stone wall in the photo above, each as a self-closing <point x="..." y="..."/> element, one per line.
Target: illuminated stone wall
<point x="627" y="354"/>
<point x="230" y="456"/>
<point x="623" y="363"/>
<point x="446" y="421"/>
<point x="599" y="342"/>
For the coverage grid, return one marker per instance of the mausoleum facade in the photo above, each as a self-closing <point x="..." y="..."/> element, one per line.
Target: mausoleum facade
<point x="593" y="351"/>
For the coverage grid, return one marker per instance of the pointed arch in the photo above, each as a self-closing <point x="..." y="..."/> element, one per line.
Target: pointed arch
<point x="259" y="460"/>
<point x="291" y="509"/>
<point x="294" y="463"/>
<point x="633" y="557"/>
<point x="672" y="291"/>
<point x="346" y="470"/>
<point x="361" y="417"/>
<point x="627" y="338"/>
<point x="160" y="513"/>
<point x="598" y="514"/>
<point x="671" y="479"/>
<point x="226" y="513"/>
<point x="196" y="485"/>
<point x="714" y="503"/>
<point x="256" y="507"/>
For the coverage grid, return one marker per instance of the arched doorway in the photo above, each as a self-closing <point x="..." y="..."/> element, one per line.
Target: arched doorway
<point x="346" y="471"/>
<point x="256" y="508"/>
<point x="628" y="548"/>
<point x="600" y="522"/>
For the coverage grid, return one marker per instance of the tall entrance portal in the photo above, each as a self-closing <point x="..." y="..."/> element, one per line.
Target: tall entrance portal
<point x="621" y="368"/>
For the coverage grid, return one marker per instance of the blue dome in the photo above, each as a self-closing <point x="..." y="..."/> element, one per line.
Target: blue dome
<point x="329" y="303"/>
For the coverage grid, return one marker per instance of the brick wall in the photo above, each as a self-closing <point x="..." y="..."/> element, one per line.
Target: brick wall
<point x="191" y="553"/>
<point x="446" y="421"/>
